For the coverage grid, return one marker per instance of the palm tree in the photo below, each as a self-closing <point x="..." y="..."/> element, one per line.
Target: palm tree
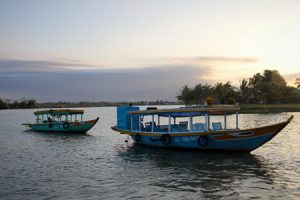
<point x="207" y="91"/>
<point x="225" y="92"/>
<point x="245" y="91"/>
<point x="198" y="89"/>
<point x="287" y="92"/>
<point x="201" y="92"/>
<point x="298" y="82"/>
<point x="187" y="96"/>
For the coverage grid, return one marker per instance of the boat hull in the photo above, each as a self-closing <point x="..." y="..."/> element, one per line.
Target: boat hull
<point x="236" y="140"/>
<point x="69" y="127"/>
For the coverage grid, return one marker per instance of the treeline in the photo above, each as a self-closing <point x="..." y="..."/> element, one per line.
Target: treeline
<point x="101" y="104"/>
<point x="17" y="104"/>
<point x="266" y="88"/>
<point x="23" y="103"/>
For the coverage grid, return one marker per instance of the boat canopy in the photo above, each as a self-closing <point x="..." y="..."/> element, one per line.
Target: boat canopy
<point x="187" y="112"/>
<point x="59" y="112"/>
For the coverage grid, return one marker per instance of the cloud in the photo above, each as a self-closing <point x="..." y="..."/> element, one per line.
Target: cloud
<point x="150" y="83"/>
<point x="71" y="80"/>
<point x="19" y="65"/>
<point x="200" y="59"/>
<point x="227" y="59"/>
<point x="16" y="65"/>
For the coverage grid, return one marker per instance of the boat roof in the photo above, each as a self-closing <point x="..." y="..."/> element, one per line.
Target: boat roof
<point x="59" y="112"/>
<point x="185" y="112"/>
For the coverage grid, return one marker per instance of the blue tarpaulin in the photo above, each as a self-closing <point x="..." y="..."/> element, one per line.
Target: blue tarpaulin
<point x="124" y="119"/>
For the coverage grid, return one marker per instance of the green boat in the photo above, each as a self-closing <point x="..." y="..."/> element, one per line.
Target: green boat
<point x="61" y="120"/>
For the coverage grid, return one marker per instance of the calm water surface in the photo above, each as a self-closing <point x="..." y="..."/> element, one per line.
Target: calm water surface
<point x="100" y="165"/>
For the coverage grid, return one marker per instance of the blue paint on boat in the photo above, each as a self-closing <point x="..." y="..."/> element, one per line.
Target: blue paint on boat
<point x="191" y="142"/>
<point x="189" y="135"/>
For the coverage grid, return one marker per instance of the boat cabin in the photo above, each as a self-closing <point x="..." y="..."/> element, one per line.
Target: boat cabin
<point x="61" y="115"/>
<point x="176" y="120"/>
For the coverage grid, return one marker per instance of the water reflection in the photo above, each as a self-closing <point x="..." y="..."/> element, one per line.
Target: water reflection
<point x="208" y="174"/>
<point x="99" y="165"/>
<point x="57" y="136"/>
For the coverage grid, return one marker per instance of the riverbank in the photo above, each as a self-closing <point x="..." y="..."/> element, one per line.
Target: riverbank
<point x="269" y="108"/>
<point x="101" y="104"/>
<point x="245" y="108"/>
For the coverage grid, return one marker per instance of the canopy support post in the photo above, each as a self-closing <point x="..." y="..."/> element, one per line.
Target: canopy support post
<point x="139" y="122"/>
<point x="225" y="120"/>
<point x="169" y="125"/>
<point x="152" y="124"/>
<point x="237" y="120"/>
<point x="158" y="120"/>
<point x="131" y="122"/>
<point x="191" y="123"/>
<point x="206" y="121"/>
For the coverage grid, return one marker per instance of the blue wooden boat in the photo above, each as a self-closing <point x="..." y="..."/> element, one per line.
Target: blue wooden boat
<point x="61" y="120"/>
<point x="183" y="128"/>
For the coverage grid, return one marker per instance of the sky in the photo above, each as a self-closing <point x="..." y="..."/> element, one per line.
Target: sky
<point x="130" y="50"/>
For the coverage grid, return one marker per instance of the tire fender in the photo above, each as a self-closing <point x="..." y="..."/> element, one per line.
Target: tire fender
<point x="203" y="141"/>
<point x="137" y="137"/>
<point x="166" y="139"/>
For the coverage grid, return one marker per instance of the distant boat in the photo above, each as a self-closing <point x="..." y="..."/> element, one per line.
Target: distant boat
<point x="189" y="135"/>
<point x="61" y="120"/>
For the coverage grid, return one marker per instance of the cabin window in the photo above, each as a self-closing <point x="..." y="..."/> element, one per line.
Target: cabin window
<point x="64" y="118"/>
<point x="38" y="119"/>
<point x="59" y="118"/>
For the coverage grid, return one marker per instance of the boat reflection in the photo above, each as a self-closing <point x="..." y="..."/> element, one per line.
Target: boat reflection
<point x="209" y="174"/>
<point x="54" y="137"/>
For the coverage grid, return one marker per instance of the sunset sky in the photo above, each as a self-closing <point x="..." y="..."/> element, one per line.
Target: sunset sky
<point x="118" y="50"/>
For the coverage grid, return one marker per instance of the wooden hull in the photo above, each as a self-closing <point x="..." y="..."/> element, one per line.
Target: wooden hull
<point x="63" y="127"/>
<point x="237" y="140"/>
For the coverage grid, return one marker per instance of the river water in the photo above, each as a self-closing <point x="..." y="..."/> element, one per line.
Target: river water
<point x="101" y="165"/>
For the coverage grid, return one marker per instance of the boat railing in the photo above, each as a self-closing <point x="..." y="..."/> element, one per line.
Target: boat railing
<point x="181" y="127"/>
<point x="132" y="118"/>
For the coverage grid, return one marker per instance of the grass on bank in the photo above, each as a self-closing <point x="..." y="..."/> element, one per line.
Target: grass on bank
<point x="269" y="108"/>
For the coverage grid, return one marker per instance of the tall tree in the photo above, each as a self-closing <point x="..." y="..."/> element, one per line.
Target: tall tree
<point x="198" y="91"/>
<point x="245" y="91"/>
<point x="225" y="93"/>
<point x="3" y="105"/>
<point x="31" y="103"/>
<point x="256" y="88"/>
<point x="267" y="88"/>
<point x="186" y="95"/>
<point x="277" y="86"/>
<point x="298" y="82"/>
<point x="201" y="92"/>
<point x="287" y="93"/>
<point x="207" y="91"/>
